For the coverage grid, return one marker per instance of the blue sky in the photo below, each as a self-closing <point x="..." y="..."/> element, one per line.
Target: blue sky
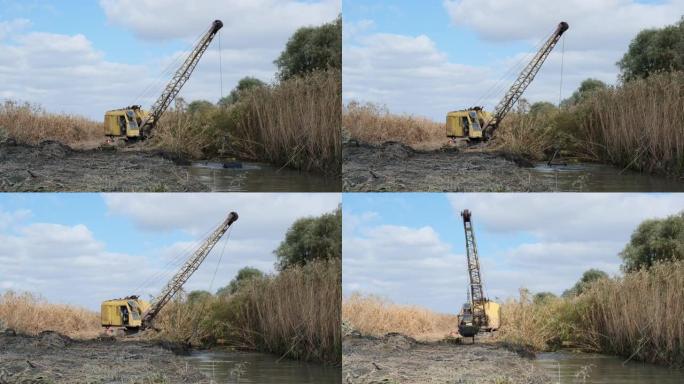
<point x="410" y="248"/>
<point x="84" y="248"/>
<point x="429" y="57"/>
<point x="102" y="54"/>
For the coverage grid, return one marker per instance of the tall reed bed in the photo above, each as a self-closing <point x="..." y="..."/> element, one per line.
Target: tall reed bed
<point x="296" y="313"/>
<point x="30" y="314"/>
<point x="528" y="135"/>
<point x="295" y="123"/>
<point x="374" y="316"/>
<point x="640" y="315"/>
<point x="372" y="123"/>
<point x="637" y="316"/>
<point x="30" y="124"/>
<point x="637" y="125"/>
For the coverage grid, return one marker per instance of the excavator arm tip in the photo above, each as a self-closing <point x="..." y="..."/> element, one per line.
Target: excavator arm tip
<point x="218" y="24"/>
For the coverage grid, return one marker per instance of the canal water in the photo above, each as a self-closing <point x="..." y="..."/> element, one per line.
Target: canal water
<point x="259" y="177"/>
<point x="228" y="367"/>
<point x="569" y="367"/>
<point x="587" y="177"/>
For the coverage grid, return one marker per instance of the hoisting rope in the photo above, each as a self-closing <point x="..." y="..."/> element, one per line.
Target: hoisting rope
<point x="560" y="90"/>
<point x="198" y="314"/>
<point x="220" y="64"/>
<point x="499" y="87"/>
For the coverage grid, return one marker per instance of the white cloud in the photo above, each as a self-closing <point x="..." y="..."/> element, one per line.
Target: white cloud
<point x="68" y="264"/>
<point x="410" y="74"/>
<point x="407" y="265"/>
<point x="542" y="242"/>
<point x="567" y="216"/>
<point x="247" y="23"/>
<point x="42" y="67"/>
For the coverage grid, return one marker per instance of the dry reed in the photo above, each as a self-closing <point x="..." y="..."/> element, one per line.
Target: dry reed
<point x="296" y="313"/>
<point x="295" y="123"/>
<point x="640" y="315"/>
<point x="637" y="316"/>
<point x="528" y="135"/>
<point x="30" y="124"/>
<point x="371" y="123"/>
<point x="30" y="314"/>
<point x="373" y="316"/>
<point x="637" y="125"/>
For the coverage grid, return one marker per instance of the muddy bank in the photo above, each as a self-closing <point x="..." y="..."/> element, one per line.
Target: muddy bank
<point x="395" y="358"/>
<point x="52" y="166"/>
<point x="54" y="358"/>
<point x="396" y="167"/>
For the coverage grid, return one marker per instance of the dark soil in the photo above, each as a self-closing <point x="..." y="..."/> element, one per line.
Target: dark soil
<point x="396" y="358"/>
<point x="54" y="358"/>
<point x="394" y="166"/>
<point x="52" y="166"/>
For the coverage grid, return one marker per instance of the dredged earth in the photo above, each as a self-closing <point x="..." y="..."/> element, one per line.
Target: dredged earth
<point x="52" y="166"/>
<point x="393" y="166"/>
<point x="396" y="358"/>
<point x="54" y="358"/>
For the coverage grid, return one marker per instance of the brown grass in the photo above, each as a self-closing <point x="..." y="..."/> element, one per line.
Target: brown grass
<point x="30" y="124"/>
<point x="295" y="123"/>
<point x="30" y="314"/>
<point x="373" y="316"/>
<point x="637" y="125"/>
<point x="372" y="123"/>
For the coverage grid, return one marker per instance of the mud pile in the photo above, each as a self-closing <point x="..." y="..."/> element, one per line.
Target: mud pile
<point x="396" y="358"/>
<point x="53" y="358"/>
<point x="396" y="167"/>
<point x="52" y="166"/>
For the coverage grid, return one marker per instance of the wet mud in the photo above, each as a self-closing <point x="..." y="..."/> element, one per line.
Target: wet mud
<point x="396" y="358"/>
<point x="394" y="166"/>
<point x="52" y="166"/>
<point x="53" y="358"/>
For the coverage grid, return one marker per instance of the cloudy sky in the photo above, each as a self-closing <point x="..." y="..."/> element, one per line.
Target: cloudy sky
<point x="410" y="248"/>
<point x="85" y="248"/>
<point x="90" y="56"/>
<point x="431" y="57"/>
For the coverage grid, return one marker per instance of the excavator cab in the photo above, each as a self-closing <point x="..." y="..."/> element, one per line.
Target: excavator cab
<point x="124" y="122"/>
<point x="466" y="123"/>
<point x="123" y="313"/>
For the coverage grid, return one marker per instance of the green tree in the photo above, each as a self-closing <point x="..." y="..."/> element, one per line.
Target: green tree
<point x="201" y="107"/>
<point x="653" y="241"/>
<point x="587" y="278"/>
<point x="244" y="84"/>
<point x="243" y="276"/>
<point x="198" y="296"/>
<point x="542" y="297"/>
<point x="654" y="50"/>
<point x="310" y="49"/>
<point x="542" y="108"/>
<point x="585" y="89"/>
<point x="311" y="238"/>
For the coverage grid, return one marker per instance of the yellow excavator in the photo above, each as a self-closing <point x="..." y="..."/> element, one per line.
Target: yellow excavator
<point x="133" y="122"/>
<point x="479" y="313"/>
<point x="476" y="124"/>
<point x="131" y="314"/>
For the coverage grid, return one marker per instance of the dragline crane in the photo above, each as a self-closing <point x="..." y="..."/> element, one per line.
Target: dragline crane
<point x="132" y="122"/>
<point x="479" y="312"/>
<point x="477" y="124"/>
<point x="131" y="314"/>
